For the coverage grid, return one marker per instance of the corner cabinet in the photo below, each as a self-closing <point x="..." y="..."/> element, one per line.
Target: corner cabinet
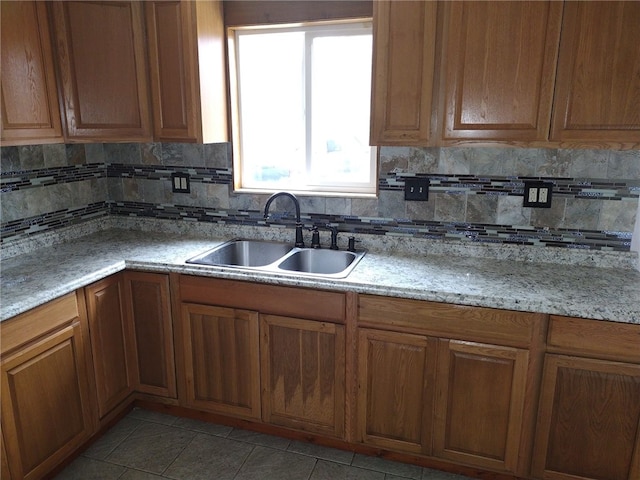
<point x="187" y="65"/>
<point x="47" y="398"/>
<point x="448" y="381"/>
<point x="111" y="342"/>
<point x="263" y="352"/>
<point x="597" y="99"/>
<point x="589" y="414"/>
<point x="30" y="112"/>
<point x="100" y="51"/>
<point x="403" y="72"/>
<point x="498" y="70"/>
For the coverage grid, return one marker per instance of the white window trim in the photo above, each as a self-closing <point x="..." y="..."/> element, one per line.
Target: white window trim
<point x="339" y="189"/>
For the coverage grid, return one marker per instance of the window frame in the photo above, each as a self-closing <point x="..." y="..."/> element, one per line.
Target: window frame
<point x="321" y="28"/>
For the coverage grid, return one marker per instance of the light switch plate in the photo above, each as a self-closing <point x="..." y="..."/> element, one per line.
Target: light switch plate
<point x="416" y="188"/>
<point x="180" y="182"/>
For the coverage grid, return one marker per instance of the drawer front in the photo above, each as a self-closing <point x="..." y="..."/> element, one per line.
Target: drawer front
<point x="30" y="325"/>
<point x="277" y="300"/>
<point x="595" y="338"/>
<point x="453" y="321"/>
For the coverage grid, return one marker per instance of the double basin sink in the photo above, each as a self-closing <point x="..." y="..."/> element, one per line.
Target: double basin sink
<point x="277" y="257"/>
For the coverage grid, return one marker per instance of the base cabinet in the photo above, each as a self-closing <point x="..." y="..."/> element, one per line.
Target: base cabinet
<point x="47" y="408"/>
<point x="303" y="374"/>
<point x="221" y="357"/>
<point x="111" y="342"/>
<point x="589" y="414"/>
<point x="148" y="305"/>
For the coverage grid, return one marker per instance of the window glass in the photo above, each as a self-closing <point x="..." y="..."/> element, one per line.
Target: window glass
<point x="301" y="108"/>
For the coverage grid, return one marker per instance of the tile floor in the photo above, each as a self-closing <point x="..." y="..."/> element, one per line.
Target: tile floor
<point x="147" y="445"/>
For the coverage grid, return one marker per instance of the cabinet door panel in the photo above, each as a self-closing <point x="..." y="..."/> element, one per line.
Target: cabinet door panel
<point x="479" y="403"/>
<point x="45" y="403"/>
<point x="598" y="84"/>
<point x="149" y="303"/>
<point x="30" y="112"/>
<point x="222" y="359"/>
<point x="500" y="64"/>
<point x="589" y="421"/>
<point x="101" y="56"/>
<point x="395" y="392"/>
<point x="303" y="374"/>
<point x="404" y="59"/>
<point x="111" y="342"/>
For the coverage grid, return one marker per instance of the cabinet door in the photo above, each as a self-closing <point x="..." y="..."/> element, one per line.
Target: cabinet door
<point x="188" y="83"/>
<point x="589" y="420"/>
<point x="30" y="112"/>
<point x="303" y="374"/>
<point x="403" y="72"/>
<point x="46" y="411"/>
<point x="221" y="357"/>
<point x="396" y="375"/>
<point x="597" y="99"/>
<point x="101" y="58"/>
<point x="499" y="69"/>
<point x="480" y="399"/>
<point x="111" y="342"/>
<point x="148" y="304"/>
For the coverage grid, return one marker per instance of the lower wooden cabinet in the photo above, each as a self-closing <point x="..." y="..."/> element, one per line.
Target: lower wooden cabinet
<point x="111" y="342"/>
<point x="480" y="401"/>
<point x="303" y="374"/>
<point x="221" y="359"/>
<point x="148" y="305"/>
<point x="47" y="407"/>
<point x="589" y="414"/>
<point x="396" y="379"/>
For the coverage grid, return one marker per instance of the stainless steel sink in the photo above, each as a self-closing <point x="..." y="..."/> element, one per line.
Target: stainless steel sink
<point x="243" y="253"/>
<point x="320" y="262"/>
<point x="282" y="258"/>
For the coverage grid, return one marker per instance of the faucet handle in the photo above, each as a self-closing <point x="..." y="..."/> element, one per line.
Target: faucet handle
<point x="315" y="237"/>
<point x="352" y="244"/>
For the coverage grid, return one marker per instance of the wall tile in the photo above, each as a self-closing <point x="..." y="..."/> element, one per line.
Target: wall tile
<point x="582" y="213"/>
<point x="217" y="155"/>
<point x="132" y="190"/>
<point x="126" y="153"/>
<point x="549" y="217"/>
<point x="338" y="206"/>
<point x="455" y="160"/>
<point x="94" y="153"/>
<point x="115" y="189"/>
<point x="9" y="159"/>
<point x="193" y="154"/>
<point x="527" y="162"/>
<point x="421" y="210"/>
<point x="364" y="207"/>
<point x="313" y="204"/>
<point x="172" y="154"/>
<point x="31" y="157"/>
<point x="423" y="160"/>
<point x="511" y="212"/>
<point x="391" y="204"/>
<point x="450" y="207"/>
<point x="76" y="154"/>
<point x="586" y="163"/>
<point x="618" y="216"/>
<point x="151" y="153"/>
<point x="624" y="164"/>
<point x="482" y="208"/>
<point x="55" y="155"/>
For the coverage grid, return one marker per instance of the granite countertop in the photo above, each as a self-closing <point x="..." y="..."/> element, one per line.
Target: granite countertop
<point x="31" y="279"/>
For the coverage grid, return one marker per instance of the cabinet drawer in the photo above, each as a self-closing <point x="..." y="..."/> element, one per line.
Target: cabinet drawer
<point x="287" y="301"/>
<point x="35" y="323"/>
<point x="453" y="321"/>
<point x="595" y="338"/>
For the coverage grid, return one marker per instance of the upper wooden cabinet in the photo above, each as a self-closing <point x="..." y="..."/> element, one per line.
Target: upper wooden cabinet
<point x="187" y="66"/>
<point x="597" y="95"/>
<point x="102" y="66"/>
<point x="403" y="72"/>
<point x="30" y="112"/>
<point x="498" y="69"/>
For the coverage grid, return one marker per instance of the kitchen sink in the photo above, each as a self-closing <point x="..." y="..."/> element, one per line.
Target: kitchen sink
<point x="277" y="257"/>
<point x="321" y="262"/>
<point x="243" y="253"/>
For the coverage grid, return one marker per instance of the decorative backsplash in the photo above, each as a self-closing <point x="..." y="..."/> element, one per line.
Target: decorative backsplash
<point x="475" y="193"/>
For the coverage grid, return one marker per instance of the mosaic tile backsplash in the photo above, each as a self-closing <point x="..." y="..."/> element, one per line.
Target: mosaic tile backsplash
<point x="475" y="195"/>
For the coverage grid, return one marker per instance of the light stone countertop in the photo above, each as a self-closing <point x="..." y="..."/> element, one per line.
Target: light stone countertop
<point x="31" y="279"/>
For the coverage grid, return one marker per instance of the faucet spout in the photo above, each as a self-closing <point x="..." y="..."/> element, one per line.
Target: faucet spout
<point x="299" y="240"/>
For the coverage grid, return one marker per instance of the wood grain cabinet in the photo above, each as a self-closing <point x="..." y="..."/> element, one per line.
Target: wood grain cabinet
<point x="403" y="72"/>
<point x="447" y="381"/>
<point x="499" y="61"/>
<point x="188" y="70"/>
<point x="266" y="352"/>
<point x="30" y="112"/>
<point x="112" y="336"/>
<point x="47" y="403"/>
<point x="148" y="304"/>
<point x="102" y="65"/>
<point x="596" y="99"/>
<point x="589" y="417"/>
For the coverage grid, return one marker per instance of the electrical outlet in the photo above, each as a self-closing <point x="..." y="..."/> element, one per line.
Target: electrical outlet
<point x="180" y="183"/>
<point x="416" y="188"/>
<point x="537" y="194"/>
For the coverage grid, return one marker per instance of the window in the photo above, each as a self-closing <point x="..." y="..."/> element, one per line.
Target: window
<point x="300" y="106"/>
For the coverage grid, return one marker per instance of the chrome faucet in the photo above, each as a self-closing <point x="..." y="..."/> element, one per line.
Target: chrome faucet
<point x="299" y="239"/>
